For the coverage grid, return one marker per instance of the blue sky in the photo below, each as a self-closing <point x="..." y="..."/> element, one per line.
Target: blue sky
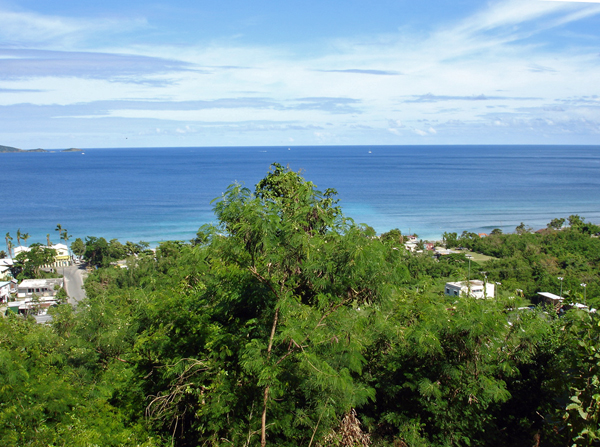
<point x="135" y="73"/>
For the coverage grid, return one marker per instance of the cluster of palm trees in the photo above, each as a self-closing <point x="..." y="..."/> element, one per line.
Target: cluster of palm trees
<point x="64" y="235"/>
<point x="9" y="239"/>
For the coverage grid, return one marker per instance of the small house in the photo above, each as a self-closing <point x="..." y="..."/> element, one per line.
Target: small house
<point x="551" y="299"/>
<point x="31" y="306"/>
<point x="39" y="287"/>
<point x="5" y="290"/>
<point x="475" y="288"/>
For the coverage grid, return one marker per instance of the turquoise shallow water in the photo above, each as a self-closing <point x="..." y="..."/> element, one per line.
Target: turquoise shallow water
<point x="165" y="193"/>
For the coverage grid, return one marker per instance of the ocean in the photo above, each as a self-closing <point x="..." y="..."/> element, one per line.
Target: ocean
<point x="157" y="194"/>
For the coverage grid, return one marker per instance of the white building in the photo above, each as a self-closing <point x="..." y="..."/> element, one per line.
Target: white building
<point x="62" y="258"/>
<point x="479" y="289"/>
<point x="6" y="288"/>
<point x="411" y="246"/>
<point x="20" y="249"/>
<point x="5" y="266"/>
<point x="39" y="287"/>
<point x="443" y="251"/>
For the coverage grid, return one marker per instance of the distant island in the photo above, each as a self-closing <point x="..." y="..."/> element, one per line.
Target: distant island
<point x="8" y="149"/>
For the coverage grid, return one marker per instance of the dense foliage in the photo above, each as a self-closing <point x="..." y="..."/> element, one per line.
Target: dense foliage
<point x="287" y="324"/>
<point x="534" y="262"/>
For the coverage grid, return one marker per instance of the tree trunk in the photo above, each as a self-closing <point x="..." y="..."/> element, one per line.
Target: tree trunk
<point x="263" y="426"/>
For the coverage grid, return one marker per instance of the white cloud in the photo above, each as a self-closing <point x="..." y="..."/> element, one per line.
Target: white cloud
<point x="483" y="62"/>
<point x="34" y="28"/>
<point x="45" y="31"/>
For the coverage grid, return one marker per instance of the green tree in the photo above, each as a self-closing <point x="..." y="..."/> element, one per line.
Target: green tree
<point x="575" y="221"/>
<point x="311" y="265"/>
<point x="134" y="249"/>
<point x="556" y="223"/>
<point x="265" y="322"/>
<point x="523" y="229"/>
<point x="30" y="262"/>
<point x="96" y="251"/>
<point x="450" y="239"/>
<point x="78" y="247"/>
<point x="394" y="236"/>
<point x="116" y="250"/>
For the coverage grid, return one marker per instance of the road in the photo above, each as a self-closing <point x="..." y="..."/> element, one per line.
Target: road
<point x="74" y="277"/>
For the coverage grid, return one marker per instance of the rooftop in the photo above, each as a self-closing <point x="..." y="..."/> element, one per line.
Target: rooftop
<point x="550" y="296"/>
<point x="40" y="282"/>
<point x="474" y="282"/>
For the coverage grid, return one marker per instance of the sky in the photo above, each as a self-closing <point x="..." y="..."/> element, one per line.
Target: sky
<point x="134" y="73"/>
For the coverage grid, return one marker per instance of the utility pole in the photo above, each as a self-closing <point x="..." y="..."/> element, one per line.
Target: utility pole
<point x="561" y="281"/>
<point x="469" y="276"/>
<point x="484" y="284"/>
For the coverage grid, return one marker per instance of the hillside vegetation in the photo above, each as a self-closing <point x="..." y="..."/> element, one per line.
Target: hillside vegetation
<point x="287" y="324"/>
<point x="10" y="149"/>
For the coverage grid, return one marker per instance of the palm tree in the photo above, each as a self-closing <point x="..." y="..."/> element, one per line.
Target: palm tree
<point x="19" y="237"/>
<point x="65" y="237"/>
<point x="59" y="228"/>
<point x="9" y="244"/>
<point x="25" y="236"/>
<point x="48" y="239"/>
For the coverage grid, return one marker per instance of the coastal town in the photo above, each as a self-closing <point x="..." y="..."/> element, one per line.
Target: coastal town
<point x="34" y="296"/>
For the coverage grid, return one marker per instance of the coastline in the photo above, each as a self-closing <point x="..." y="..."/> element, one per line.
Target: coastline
<point x="166" y="193"/>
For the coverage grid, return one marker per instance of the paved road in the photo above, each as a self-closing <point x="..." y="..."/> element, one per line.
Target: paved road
<point x="74" y="277"/>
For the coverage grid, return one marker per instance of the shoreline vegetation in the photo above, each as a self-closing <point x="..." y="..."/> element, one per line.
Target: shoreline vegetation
<point x="287" y="324"/>
<point x="9" y="149"/>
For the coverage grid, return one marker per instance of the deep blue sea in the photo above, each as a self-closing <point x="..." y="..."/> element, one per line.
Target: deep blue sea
<point x="156" y="194"/>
